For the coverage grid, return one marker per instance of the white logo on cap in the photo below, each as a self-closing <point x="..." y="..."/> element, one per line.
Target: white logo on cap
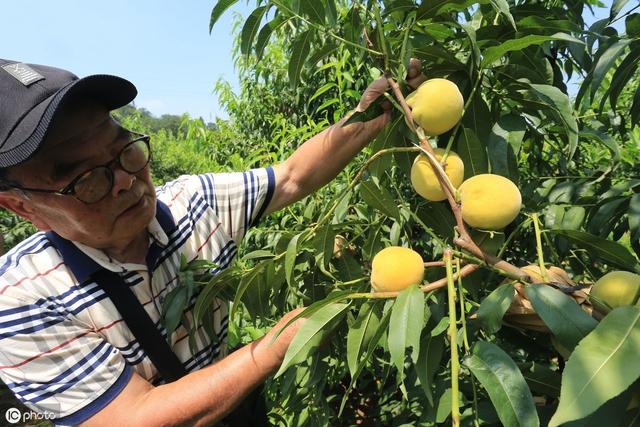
<point x="23" y="73"/>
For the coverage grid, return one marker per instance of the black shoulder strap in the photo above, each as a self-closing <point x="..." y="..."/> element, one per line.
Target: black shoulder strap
<point x="134" y="315"/>
<point x="143" y="328"/>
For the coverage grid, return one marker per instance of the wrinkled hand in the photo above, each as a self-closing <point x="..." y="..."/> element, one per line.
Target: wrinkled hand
<point x="278" y="348"/>
<point x="379" y="86"/>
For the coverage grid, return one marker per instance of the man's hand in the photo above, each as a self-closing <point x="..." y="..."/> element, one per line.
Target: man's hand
<point x="205" y="396"/>
<point x="379" y="86"/>
<point x="273" y="351"/>
<point x="323" y="156"/>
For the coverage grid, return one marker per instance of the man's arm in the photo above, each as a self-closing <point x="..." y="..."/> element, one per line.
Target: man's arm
<point x="204" y="397"/>
<point x="321" y="158"/>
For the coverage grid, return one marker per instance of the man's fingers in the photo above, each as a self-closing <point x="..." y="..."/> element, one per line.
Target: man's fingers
<point x="416" y="81"/>
<point x="414" y="69"/>
<point x="414" y="73"/>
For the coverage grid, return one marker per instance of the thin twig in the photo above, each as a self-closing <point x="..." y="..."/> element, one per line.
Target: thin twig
<point x="434" y="264"/>
<point x="536" y="227"/>
<point x="440" y="283"/>
<point x="453" y="340"/>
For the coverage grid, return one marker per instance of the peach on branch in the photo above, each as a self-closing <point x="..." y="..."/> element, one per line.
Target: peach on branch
<point x="489" y="202"/>
<point x="395" y="268"/>
<point x="436" y="106"/>
<point x="424" y="179"/>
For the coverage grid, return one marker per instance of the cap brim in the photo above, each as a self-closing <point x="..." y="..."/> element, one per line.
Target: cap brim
<point x="111" y="91"/>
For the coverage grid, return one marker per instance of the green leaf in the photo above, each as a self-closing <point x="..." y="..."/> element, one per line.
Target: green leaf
<point x="250" y="29"/>
<point x="612" y="413"/>
<point x="256" y="293"/>
<point x="537" y="23"/>
<point x="472" y="153"/>
<point x="606" y="60"/>
<point x="353" y="24"/>
<point x="321" y="90"/>
<point x="430" y="9"/>
<point x="602" y="366"/>
<point x="290" y="257"/>
<point x="321" y="53"/>
<point x="324" y="243"/>
<point x="309" y="311"/>
<point x="311" y="333"/>
<point x="632" y="25"/>
<point x="251" y="278"/>
<point x="510" y="128"/>
<point x="265" y="34"/>
<point x="504" y="383"/>
<point x="608" y="250"/>
<point x="561" y="106"/>
<point x="564" y="317"/>
<point x="478" y="118"/>
<point x="431" y="351"/>
<point x="493" y="53"/>
<point x="173" y="307"/>
<point x="260" y="253"/>
<point x="299" y="53"/>
<point x="349" y="268"/>
<point x="313" y="10"/>
<point x="502" y="6"/>
<point x="622" y="76"/>
<point x="218" y="10"/>
<point x="494" y="306"/>
<point x="436" y="54"/>
<point x="360" y="335"/>
<point x="379" y="198"/>
<point x="372" y="111"/>
<point x="222" y="280"/>
<point x="407" y="319"/>
<point x="616" y="7"/>
<point x="438" y="217"/>
<point x="635" y="108"/>
<point x="603" y="138"/>
<point x="504" y="143"/>
<point x="542" y="379"/>
<point x="470" y="31"/>
<point x="607" y="214"/>
<point x="633" y="215"/>
<point x="332" y="12"/>
<point x="373" y="343"/>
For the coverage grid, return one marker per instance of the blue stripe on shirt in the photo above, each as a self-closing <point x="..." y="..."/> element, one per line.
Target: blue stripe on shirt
<point x="99" y="403"/>
<point x="66" y="379"/>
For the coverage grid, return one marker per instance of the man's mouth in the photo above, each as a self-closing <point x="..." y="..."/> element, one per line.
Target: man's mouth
<point x="138" y="202"/>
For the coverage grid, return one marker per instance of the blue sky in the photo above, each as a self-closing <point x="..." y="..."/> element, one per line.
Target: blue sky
<point x="162" y="46"/>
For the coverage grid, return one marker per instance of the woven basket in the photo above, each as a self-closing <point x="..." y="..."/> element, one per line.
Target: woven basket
<point x="521" y="313"/>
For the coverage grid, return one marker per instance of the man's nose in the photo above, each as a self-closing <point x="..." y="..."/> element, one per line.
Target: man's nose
<point x="122" y="181"/>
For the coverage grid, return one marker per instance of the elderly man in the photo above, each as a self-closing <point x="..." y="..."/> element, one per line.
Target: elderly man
<point x="83" y="180"/>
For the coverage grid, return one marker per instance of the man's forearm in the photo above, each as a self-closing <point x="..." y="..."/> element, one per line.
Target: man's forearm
<point x="321" y="158"/>
<point x="207" y="395"/>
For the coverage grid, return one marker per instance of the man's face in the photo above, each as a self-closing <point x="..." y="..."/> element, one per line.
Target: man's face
<point x="85" y="136"/>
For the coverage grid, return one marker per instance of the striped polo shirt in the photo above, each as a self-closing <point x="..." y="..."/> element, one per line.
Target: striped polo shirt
<point x="64" y="349"/>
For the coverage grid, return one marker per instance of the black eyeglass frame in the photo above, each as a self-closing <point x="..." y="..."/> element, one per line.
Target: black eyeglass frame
<point x="69" y="189"/>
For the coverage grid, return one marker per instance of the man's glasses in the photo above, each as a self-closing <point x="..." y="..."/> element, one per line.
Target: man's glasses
<point x="93" y="185"/>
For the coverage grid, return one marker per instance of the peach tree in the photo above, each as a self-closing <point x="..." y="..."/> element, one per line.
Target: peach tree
<point x="501" y="330"/>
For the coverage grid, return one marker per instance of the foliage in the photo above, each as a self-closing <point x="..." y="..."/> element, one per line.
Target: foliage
<point x="574" y="156"/>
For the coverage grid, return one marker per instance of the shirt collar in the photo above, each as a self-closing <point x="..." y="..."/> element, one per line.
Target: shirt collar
<point x="156" y="235"/>
<point x="84" y="260"/>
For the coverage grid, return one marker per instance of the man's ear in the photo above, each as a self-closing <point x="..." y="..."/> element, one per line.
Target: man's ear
<point x="22" y="207"/>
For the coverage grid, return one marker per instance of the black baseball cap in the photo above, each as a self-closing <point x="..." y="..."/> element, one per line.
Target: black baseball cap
<point x="30" y="96"/>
